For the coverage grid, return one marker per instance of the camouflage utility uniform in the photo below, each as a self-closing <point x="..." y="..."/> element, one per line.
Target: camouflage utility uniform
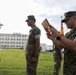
<point x="70" y="56"/>
<point x="31" y="66"/>
<point x="57" y="60"/>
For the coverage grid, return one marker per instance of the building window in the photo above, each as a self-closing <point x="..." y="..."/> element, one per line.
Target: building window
<point x="7" y="45"/>
<point x="19" y="46"/>
<point x="5" y="38"/>
<point x="16" y="46"/>
<point x="2" y="38"/>
<point x="2" y="42"/>
<point x="19" y="42"/>
<point x="23" y="39"/>
<point x="8" y="38"/>
<point x="23" y="36"/>
<point x="19" y="35"/>
<point x="5" y="35"/>
<point x="5" y="42"/>
<point x="11" y="42"/>
<point x="22" y="42"/>
<point x="13" y="45"/>
<point x="16" y="42"/>
<point x="2" y="35"/>
<point x="11" y="35"/>
<point x="2" y="45"/>
<point x="19" y="39"/>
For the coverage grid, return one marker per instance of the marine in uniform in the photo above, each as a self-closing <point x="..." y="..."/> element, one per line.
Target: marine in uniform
<point x="68" y="42"/>
<point x="69" y="55"/>
<point x="57" y="60"/>
<point x="32" y="47"/>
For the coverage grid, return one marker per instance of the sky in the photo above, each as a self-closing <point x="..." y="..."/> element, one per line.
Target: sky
<point x="13" y="14"/>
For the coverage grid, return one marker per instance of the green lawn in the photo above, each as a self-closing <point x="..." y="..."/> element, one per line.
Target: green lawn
<point x="12" y="62"/>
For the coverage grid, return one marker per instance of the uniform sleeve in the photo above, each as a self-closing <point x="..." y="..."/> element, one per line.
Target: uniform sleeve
<point x="66" y="35"/>
<point x="37" y="33"/>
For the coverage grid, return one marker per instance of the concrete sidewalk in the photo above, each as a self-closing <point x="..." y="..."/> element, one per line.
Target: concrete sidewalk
<point x="2" y="49"/>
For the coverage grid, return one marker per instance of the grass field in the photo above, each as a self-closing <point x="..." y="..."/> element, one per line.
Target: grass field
<point x="12" y="62"/>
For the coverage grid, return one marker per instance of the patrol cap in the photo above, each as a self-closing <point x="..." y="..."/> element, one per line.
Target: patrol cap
<point x="30" y="17"/>
<point x="68" y="15"/>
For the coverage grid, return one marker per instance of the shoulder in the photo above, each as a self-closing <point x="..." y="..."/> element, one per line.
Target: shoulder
<point x="36" y="28"/>
<point x="67" y="34"/>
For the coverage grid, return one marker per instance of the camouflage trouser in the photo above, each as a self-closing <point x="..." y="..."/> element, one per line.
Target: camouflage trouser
<point x="31" y="66"/>
<point x="57" y="65"/>
<point x="69" y="69"/>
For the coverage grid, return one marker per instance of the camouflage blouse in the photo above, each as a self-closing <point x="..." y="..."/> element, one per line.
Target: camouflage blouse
<point x="70" y="56"/>
<point x="33" y="34"/>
